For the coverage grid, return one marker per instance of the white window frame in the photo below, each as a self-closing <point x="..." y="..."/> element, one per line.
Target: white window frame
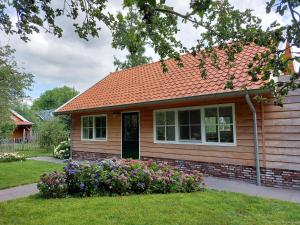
<point x="203" y="134"/>
<point x="94" y="128"/>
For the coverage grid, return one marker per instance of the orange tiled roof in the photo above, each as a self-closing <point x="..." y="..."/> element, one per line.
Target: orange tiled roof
<point x="18" y="119"/>
<point x="148" y="83"/>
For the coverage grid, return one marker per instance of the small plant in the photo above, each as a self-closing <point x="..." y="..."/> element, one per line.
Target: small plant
<point x="62" y="151"/>
<point x="53" y="185"/>
<point x="11" y="156"/>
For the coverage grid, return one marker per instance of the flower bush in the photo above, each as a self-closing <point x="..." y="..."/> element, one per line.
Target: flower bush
<point x="53" y="185"/>
<point x="11" y="156"/>
<point x="123" y="177"/>
<point x="62" y="151"/>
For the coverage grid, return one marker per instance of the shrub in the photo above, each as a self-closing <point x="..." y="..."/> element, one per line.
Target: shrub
<point x="62" y="151"/>
<point x="51" y="133"/>
<point x="122" y="177"/>
<point x="11" y="156"/>
<point x="53" y="185"/>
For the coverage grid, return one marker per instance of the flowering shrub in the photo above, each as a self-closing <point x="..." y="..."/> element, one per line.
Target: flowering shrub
<point x="123" y="177"/>
<point x="11" y="156"/>
<point x="62" y="151"/>
<point x="53" y="185"/>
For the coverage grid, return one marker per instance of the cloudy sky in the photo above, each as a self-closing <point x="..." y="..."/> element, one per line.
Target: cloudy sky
<point x="77" y="63"/>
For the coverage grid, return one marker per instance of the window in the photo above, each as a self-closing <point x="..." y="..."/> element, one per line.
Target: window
<point x="165" y="125"/>
<point x="198" y="125"/>
<point x="94" y="127"/>
<point x="190" y="125"/>
<point x="219" y="124"/>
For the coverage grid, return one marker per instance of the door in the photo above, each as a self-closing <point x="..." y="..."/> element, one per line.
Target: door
<point x="130" y="135"/>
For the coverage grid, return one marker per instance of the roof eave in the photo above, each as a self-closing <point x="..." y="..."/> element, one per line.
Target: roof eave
<point x="172" y="100"/>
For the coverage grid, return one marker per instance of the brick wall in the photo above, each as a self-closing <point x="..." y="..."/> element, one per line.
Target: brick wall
<point x="269" y="177"/>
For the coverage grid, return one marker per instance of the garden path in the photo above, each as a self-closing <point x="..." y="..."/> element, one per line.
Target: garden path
<point x="48" y="159"/>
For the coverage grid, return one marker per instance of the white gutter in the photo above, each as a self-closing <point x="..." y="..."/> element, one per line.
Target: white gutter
<point x="255" y="133"/>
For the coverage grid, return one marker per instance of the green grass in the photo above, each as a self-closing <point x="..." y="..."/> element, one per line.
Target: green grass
<point x="29" y="171"/>
<point x="35" y="153"/>
<point x="209" y="207"/>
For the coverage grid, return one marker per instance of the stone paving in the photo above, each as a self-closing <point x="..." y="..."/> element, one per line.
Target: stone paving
<point x="18" y="192"/>
<point x="47" y="159"/>
<point x="252" y="189"/>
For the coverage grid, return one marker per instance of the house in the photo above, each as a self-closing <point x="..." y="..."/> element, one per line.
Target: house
<point x="45" y="115"/>
<point x="23" y="130"/>
<point x="190" y="122"/>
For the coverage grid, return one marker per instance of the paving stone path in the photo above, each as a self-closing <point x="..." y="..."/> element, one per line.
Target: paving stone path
<point x="47" y="159"/>
<point x="18" y="192"/>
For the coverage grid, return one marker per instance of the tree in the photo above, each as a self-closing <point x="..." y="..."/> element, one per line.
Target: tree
<point x="54" y="98"/>
<point x="126" y="35"/>
<point x="13" y="82"/>
<point x="26" y="111"/>
<point x="217" y="20"/>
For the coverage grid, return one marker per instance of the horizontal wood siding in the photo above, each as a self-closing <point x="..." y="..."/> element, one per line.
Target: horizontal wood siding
<point x="282" y="133"/>
<point x="241" y="154"/>
<point x="111" y="146"/>
<point x="279" y="144"/>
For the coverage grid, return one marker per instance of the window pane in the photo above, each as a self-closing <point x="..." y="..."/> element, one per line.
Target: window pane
<point x="160" y="118"/>
<point x="85" y="133"/>
<point x="170" y="118"/>
<point x="160" y="133"/>
<point x="184" y="132"/>
<point x="225" y="115"/>
<point x="226" y="135"/>
<point x="103" y="131"/>
<point x="170" y="133"/>
<point x="195" y="116"/>
<point x="195" y="132"/>
<point x="90" y="121"/>
<point x="183" y="117"/>
<point x="100" y="121"/>
<point x="211" y="133"/>
<point x="90" y="133"/>
<point x="85" y="121"/>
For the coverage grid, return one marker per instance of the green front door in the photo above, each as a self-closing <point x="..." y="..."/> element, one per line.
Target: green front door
<point x="130" y="135"/>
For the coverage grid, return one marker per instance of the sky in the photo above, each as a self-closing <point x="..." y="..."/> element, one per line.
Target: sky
<point x="77" y="63"/>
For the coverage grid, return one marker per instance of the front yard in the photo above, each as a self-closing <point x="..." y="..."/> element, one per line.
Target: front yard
<point x="208" y="207"/>
<point x="23" y="172"/>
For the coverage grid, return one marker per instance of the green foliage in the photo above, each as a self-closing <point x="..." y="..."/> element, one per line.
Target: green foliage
<point x="13" y="81"/>
<point x="6" y="129"/>
<point x="27" y="112"/>
<point x="126" y="35"/>
<point x="51" y="133"/>
<point x="63" y="150"/>
<point x="54" y="98"/>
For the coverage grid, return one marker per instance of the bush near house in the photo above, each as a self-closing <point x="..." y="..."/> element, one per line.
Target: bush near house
<point x="118" y="177"/>
<point x="11" y="156"/>
<point x="62" y="151"/>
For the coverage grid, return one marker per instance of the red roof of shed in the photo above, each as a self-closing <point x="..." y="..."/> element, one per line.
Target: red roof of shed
<point x="148" y="83"/>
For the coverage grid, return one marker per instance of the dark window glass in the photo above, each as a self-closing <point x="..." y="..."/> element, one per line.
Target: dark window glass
<point x="165" y="126"/>
<point x="190" y="125"/>
<point x="170" y="133"/>
<point x="226" y="135"/>
<point x="100" y="127"/>
<point x="160" y="118"/>
<point x="160" y="133"/>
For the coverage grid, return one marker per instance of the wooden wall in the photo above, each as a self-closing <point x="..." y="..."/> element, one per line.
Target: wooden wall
<point x="282" y="133"/>
<point x="279" y="143"/>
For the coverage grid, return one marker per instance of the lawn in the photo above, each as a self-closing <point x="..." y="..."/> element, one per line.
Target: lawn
<point x="18" y="173"/>
<point x="209" y="207"/>
<point x="35" y="153"/>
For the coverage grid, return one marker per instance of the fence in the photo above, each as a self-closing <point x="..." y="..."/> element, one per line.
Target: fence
<point x="19" y="144"/>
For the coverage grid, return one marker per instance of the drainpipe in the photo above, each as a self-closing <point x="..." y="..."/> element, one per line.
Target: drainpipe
<point x="248" y="100"/>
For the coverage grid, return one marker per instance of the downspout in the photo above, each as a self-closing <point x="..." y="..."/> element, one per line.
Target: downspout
<point x="255" y="133"/>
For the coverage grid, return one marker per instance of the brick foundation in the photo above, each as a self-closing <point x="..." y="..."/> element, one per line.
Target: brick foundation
<point x="269" y="177"/>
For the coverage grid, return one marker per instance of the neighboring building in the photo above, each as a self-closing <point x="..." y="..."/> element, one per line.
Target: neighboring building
<point x="190" y="122"/>
<point x="46" y="115"/>
<point x="23" y="130"/>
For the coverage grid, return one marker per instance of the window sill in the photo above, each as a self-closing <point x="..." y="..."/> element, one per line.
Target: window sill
<point x="93" y="139"/>
<point x="196" y="143"/>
